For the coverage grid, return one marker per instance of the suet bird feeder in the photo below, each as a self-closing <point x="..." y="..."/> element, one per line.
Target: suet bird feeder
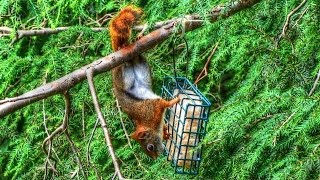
<point x="186" y="123"/>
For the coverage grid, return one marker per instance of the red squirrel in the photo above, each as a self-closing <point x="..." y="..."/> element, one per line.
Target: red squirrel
<point x="132" y="87"/>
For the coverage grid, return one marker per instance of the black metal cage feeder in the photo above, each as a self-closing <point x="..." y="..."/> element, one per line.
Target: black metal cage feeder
<point x="186" y="122"/>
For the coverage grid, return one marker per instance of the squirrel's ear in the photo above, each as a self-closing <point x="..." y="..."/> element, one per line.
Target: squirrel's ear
<point x="138" y="135"/>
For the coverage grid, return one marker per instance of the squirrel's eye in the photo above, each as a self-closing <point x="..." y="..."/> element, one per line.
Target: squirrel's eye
<point x="150" y="147"/>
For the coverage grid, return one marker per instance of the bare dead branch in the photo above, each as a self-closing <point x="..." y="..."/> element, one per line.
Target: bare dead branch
<point x="19" y="98"/>
<point x="48" y="162"/>
<point x="50" y="147"/>
<point x="88" y="150"/>
<point x="89" y="142"/>
<point x="107" y="63"/>
<point x="104" y="19"/>
<point x="282" y="124"/>
<point x="103" y="123"/>
<point x="123" y="126"/>
<point x="74" y="173"/>
<point x="6" y="31"/>
<point x="100" y="22"/>
<point x="75" y="152"/>
<point x="83" y="124"/>
<point x="216" y="12"/>
<point x="287" y="22"/>
<point x="205" y="69"/>
<point x="10" y="87"/>
<point x="64" y="124"/>
<point x="3" y="35"/>
<point x="287" y="120"/>
<point x="315" y="84"/>
<point x="144" y="28"/>
<point x="114" y="176"/>
<point x="60" y="129"/>
<point x="255" y="122"/>
<point x="38" y="32"/>
<point x="301" y="15"/>
<point x="315" y="149"/>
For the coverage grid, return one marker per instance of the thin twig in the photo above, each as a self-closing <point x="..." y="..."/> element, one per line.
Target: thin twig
<point x="281" y="126"/>
<point x="90" y="139"/>
<point x="315" y="84"/>
<point x="286" y="24"/>
<point x="204" y="71"/>
<point x="13" y="85"/>
<point x="48" y="162"/>
<point x="88" y="148"/>
<point x="114" y="175"/>
<point x="38" y="32"/>
<point x="105" y="17"/>
<point x="300" y="17"/>
<point x="144" y="28"/>
<point x="315" y="149"/>
<point x="287" y="120"/>
<point x="249" y="126"/>
<point x="83" y="122"/>
<point x="103" y="123"/>
<point x="60" y="129"/>
<point x="75" y="152"/>
<point x="3" y="35"/>
<point x="14" y="99"/>
<point x="74" y="173"/>
<point x="74" y="47"/>
<point x="123" y="126"/>
<point x="212" y="142"/>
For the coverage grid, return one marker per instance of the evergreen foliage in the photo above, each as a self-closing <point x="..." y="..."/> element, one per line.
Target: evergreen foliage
<point x="263" y="124"/>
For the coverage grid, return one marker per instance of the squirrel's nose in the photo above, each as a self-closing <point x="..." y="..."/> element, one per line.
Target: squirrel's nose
<point x="154" y="158"/>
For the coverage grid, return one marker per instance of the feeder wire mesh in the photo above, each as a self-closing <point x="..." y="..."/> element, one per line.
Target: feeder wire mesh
<point x="186" y="122"/>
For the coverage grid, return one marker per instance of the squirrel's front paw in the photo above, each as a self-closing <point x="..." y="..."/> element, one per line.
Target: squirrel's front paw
<point x="166" y="134"/>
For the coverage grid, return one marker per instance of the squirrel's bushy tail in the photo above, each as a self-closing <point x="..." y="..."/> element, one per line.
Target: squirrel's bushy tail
<point x="120" y="26"/>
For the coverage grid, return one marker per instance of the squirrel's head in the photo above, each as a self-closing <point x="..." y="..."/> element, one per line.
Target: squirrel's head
<point x="150" y="133"/>
<point x="150" y="142"/>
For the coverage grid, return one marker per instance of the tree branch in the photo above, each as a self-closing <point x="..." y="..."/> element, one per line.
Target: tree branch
<point x="89" y="142"/>
<point x="286" y="24"/>
<point x="64" y="124"/>
<point x="60" y="129"/>
<point x="204" y="71"/>
<point x="314" y="84"/>
<point x="103" y="123"/>
<point x="6" y="31"/>
<point x="122" y="124"/>
<point x="38" y="32"/>
<point x="75" y="152"/>
<point x="107" y="63"/>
